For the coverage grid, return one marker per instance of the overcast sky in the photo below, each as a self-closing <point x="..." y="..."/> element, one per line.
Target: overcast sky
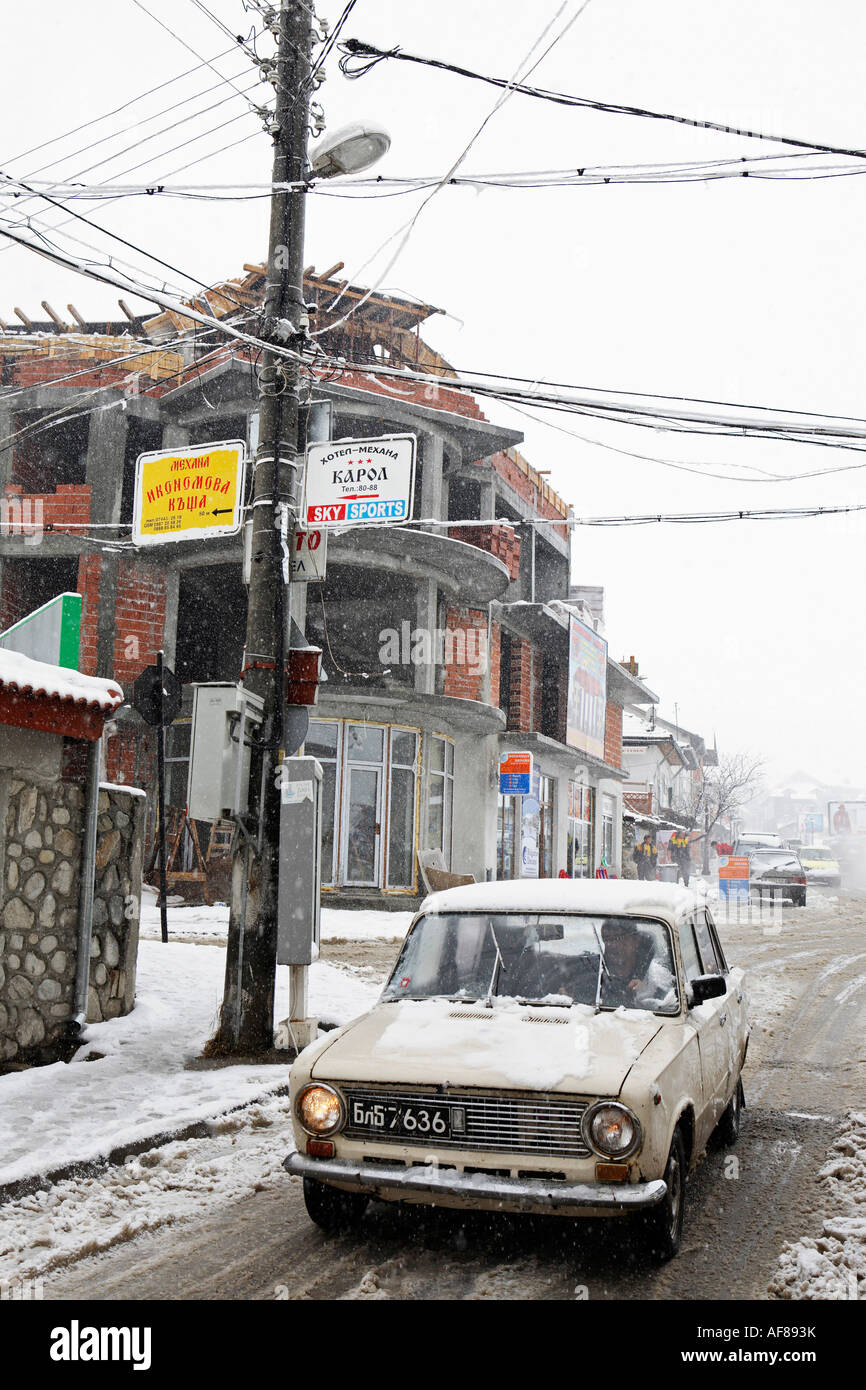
<point x="741" y="290"/>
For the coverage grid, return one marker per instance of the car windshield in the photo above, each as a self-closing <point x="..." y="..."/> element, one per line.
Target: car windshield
<point x="816" y="853"/>
<point x="538" y="958"/>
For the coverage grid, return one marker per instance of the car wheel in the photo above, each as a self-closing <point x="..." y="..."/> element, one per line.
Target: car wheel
<point x="728" y="1128"/>
<point x="800" y="900"/>
<point x="332" y="1209"/>
<point x="664" y="1223"/>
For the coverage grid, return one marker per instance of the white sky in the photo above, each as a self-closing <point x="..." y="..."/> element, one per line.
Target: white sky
<point x="744" y="290"/>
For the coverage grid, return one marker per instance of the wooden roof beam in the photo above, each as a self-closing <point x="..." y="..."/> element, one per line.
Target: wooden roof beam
<point x="78" y="319"/>
<point x="55" y="318"/>
<point x="28" y="323"/>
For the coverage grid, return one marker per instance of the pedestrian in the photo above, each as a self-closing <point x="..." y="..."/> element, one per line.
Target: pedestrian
<point x="679" y="848"/>
<point x="646" y="857"/>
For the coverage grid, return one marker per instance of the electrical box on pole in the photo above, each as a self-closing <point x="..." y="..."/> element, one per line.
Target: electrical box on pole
<point x="225" y="717"/>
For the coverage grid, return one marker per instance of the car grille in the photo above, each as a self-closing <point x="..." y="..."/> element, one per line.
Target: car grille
<point x="495" y="1124"/>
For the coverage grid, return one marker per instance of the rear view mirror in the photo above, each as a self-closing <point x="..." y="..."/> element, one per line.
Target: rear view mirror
<point x="706" y="987"/>
<point x="550" y="931"/>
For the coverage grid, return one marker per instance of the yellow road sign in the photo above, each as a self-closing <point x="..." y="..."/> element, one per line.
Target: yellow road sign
<point x="187" y="493"/>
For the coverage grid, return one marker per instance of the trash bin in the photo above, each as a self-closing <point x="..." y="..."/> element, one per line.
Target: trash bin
<point x="669" y="873"/>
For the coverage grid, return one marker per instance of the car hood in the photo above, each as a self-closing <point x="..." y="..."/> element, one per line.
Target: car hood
<point x="437" y="1042"/>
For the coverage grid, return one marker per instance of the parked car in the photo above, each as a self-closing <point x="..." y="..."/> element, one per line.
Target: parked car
<point x="821" y="865"/>
<point x="777" y="873"/>
<point x="556" y="1047"/>
<point x="757" y="839"/>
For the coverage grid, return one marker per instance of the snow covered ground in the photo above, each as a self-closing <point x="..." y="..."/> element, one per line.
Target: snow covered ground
<point x="833" y="1266"/>
<point x="129" y="1081"/>
<point x="212" y="923"/>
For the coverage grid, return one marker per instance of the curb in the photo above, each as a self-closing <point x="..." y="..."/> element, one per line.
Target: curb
<point x="91" y="1168"/>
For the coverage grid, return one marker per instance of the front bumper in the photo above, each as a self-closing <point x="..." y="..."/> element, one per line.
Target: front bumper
<point x="427" y="1182"/>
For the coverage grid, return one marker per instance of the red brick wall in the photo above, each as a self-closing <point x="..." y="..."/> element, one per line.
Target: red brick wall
<point x="89" y="567"/>
<point x="139" y="618"/>
<point x="530" y="487"/>
<point x="500" y="541"/>
<point x="495" y="661"/>
<point x="67" y="508"/>
<point x="537" y="690"/>
<point x="521" y="693"/>
<point x="463" y="655"/>
<point x="613" y="735"/>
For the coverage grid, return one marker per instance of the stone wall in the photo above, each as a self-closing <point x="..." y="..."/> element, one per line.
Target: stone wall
<point x="40" y="848"/>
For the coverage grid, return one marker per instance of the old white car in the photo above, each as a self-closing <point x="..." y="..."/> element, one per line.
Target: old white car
<point x="549" y="1047"/>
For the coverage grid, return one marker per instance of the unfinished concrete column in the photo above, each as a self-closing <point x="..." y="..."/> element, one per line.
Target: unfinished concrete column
<point x="432" y="457"/>
<point x="426" y="619"/>
<point x="7" y="425"/>
<point x="106" y="450"/>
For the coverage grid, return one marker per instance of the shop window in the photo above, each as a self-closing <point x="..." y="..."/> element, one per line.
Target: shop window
<point x="607" y="816"/>
<point x="579" y="851"/>
<point x="323" y="742"/>
<point x="402" y="797"/>
<point x="440" y="795"/>
<point x="369" y="803"/>
<point x="545" y="827"/>
<point x="506" y="837"/>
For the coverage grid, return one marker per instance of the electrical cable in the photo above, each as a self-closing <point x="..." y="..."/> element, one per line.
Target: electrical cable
<point x="405" y="232"/>
<point x="97" y="120"/>
<point x="355" y="48"/>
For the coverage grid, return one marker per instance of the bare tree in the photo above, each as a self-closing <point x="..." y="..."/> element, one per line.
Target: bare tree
<point x="735" y="780"/>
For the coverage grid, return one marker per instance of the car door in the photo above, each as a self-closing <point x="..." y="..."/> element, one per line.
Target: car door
<point x="728" y="1009"/>
<point x="738" y="1018"/>
<point x="709" y="1021"/>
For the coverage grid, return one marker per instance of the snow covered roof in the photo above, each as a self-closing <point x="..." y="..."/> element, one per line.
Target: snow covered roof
<point x="565" y="895"/>
<point x="54" y="699"/>
<point x="29" y="677"/>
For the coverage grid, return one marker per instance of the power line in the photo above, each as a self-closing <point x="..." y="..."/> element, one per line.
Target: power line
<point x="405" y="232"/>
<point x="357" y="49"/>
<point x="97" y="120"/>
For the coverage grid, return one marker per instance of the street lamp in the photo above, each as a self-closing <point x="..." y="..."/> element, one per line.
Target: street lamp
<point x="350" y="150"/>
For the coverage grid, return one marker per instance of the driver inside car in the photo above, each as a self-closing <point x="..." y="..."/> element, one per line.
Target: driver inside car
<point x="634" y="977"/>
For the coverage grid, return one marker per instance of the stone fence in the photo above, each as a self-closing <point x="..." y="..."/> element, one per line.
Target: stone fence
<point x="42" y="825"/>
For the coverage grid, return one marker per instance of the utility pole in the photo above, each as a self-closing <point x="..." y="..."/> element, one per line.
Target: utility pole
<point x="246" y="1023"/>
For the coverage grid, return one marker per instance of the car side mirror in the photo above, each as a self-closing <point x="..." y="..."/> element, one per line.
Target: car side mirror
<point x="706" y="987"/>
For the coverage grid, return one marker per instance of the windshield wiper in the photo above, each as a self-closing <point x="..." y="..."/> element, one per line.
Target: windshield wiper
<point x="602" y="966"/>
<point x="498" y="964"/>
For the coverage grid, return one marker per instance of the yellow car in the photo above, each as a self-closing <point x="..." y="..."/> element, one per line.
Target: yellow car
<point x="820" y="865"/>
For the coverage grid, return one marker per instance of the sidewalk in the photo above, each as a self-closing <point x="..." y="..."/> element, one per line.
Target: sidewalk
<point x="128" y="1086"/>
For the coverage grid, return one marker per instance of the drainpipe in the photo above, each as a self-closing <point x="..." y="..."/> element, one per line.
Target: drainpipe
<point x="86" y="890"/>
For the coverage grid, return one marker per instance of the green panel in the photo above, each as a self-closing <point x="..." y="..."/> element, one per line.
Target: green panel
<point x="70" y="630"/>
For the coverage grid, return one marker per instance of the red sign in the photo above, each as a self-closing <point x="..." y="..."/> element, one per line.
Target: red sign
<point x="737" y="866"/>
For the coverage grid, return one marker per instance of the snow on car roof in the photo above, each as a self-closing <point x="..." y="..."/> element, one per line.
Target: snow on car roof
<point x="565" y="895"/>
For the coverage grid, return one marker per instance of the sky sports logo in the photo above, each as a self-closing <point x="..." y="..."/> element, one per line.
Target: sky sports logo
<point x="77" y="1343"/>
<point x="361" y="509"/>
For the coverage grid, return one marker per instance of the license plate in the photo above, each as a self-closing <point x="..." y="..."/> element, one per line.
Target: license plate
<point x="403" y="1119"/>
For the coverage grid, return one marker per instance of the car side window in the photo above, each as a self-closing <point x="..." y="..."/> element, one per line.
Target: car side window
<point x="691" y="960"/>
<point x="705" y="945"/>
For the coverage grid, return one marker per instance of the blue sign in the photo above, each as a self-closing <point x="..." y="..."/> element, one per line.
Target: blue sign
<point x="734" y="889"/>
<point x="514" y="783"/>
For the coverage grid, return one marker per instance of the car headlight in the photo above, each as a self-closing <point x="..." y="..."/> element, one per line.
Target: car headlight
<point x="320" y="1110"/>
<point x="612" y="1130"/>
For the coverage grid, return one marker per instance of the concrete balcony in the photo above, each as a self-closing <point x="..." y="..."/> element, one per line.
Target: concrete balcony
<point x="464" y="572"/>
